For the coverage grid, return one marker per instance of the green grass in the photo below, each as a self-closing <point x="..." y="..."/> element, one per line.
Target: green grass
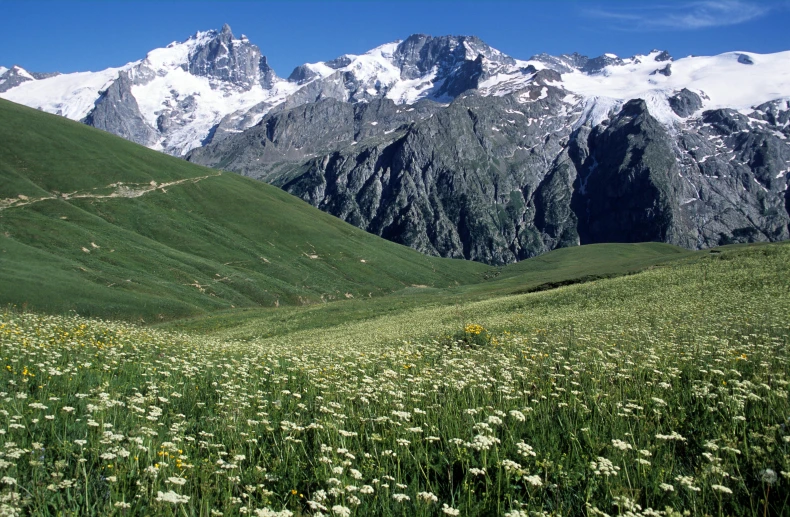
<point x="560" y="267"/>
<point x="655" y="393"/>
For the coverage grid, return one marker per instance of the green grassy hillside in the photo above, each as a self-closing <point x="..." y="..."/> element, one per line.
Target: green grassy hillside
<point x="93" y="223"/>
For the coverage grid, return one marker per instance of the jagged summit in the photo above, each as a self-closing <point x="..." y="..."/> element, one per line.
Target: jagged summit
<point x="13" y="77"/>
<point x="420" y="53"/>
<point x="419" y="67"/>
<point x="225" y="59"/>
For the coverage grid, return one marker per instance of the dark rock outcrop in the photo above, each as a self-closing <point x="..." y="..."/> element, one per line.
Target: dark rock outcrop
<point x="745" y="60"/>
<point x="685" y="103"/>
<point x="630" y="187"/>
<point x="666" y="71"/>
<point x="116" y="111"/>
<point x="663" y="56"/>
<point x="419" y="54"/>
<point x="13" y="77"/>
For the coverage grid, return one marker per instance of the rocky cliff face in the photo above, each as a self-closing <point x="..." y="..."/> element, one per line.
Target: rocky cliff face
<point x="500" y="179"/>
<point x="117" y="111"/>
<point x="629" y="183"/>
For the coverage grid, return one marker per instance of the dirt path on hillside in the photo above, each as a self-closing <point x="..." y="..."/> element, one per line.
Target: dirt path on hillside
<point x="120" y="189"/>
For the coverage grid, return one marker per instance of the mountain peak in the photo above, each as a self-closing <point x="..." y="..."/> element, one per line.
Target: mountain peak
<point x="13" y="77"/>
<point x="663" y="55"/>
<point x="234" y="61"/>
<point x="419" y="54"/>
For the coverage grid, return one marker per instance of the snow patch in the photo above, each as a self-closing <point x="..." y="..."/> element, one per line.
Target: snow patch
<point x="164" y="92"/>
<point x="597" y="109"/>
<point x="722" y="78"/>
<point x="70" y="95"/>
<point x="409" y="91"/>
<point x="761" y="185"/>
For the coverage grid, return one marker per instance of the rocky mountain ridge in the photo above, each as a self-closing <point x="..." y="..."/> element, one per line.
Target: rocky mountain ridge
<point x="214" y="84"/>
<point x="500" y="179"/>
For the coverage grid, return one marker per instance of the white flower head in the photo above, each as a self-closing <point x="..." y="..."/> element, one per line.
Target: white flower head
<point x="721" y="488"/>
<point x="171" y="497"/>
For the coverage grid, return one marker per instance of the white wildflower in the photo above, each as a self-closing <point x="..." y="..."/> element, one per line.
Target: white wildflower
<point x="623" y="446"/>
<point x="427" y="497"/>
<point x="672" y="436"/>
<point x="171" y="497"/>
<point x="768" y="476"/>
<point x="533" y="480"/>
<point x="341" y="511"/>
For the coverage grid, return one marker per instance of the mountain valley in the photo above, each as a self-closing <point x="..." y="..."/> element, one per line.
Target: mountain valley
<point x="448" y="146"/>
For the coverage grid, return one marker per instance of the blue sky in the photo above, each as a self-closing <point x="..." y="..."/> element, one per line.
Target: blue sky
<point x="70" y="36"/>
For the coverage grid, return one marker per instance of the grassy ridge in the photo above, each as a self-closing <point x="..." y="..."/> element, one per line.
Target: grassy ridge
<point x="212" y="242"/>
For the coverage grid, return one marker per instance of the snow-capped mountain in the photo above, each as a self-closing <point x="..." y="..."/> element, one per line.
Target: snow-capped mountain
<point x="214" y="84"/>
<point x="405" y="71"/>
<point x="172" y="99"/>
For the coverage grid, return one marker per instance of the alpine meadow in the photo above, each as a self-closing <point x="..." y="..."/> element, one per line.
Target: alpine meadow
<point x="428" y="280"/>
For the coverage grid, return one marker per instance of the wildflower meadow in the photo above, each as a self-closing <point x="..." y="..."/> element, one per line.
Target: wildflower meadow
<point x="663" y="393"/>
